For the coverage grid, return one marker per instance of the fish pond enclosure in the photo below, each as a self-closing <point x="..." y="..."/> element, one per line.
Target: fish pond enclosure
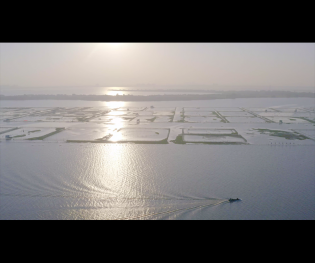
<point x="164" y="125"/>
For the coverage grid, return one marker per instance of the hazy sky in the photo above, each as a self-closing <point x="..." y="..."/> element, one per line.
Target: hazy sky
<point x="127" y="64"/>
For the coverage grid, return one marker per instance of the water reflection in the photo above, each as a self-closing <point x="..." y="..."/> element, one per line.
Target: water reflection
<point x="136" y="181"/>
<point x="116" y="137"/>
<point x="115" y="104"/>
<point x="118" y="124"/>
<point x="120" y="180"/>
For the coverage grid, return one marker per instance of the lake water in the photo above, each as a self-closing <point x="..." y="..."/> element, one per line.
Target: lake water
<point x="129" y="181"/>
<point x="49" y="181"/>
<point x="253" y="102"/>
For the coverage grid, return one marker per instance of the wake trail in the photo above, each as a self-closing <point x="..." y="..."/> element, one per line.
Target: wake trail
<point x="173" y="211"/>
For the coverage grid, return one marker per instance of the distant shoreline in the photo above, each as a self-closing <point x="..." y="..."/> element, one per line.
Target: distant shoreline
<point x="165" y="97"/>
<point x="167" y="90"/>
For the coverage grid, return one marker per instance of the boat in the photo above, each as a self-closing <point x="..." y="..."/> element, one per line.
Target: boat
<point x="234" y="199"/>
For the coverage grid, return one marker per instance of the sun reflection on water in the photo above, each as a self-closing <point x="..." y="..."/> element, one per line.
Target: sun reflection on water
<point x="118" y="124"/>
<point x="115" y="104"/>
<point x="116" y="137"/>
<point x="115" y="176"/>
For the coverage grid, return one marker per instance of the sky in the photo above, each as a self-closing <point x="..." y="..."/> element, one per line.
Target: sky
<point x="131" y="64"/>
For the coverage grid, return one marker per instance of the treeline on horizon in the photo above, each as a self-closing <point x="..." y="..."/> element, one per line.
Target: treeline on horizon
<point x="170" y="97"/>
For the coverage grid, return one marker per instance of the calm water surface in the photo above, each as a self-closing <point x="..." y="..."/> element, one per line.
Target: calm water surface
<point x="254" y="102"/>
<point x="49" y="181"/>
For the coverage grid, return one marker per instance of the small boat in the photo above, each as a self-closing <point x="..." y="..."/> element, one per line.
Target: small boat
<point x="234" y="199"/>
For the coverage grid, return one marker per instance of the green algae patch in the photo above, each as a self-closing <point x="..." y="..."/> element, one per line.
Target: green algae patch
<point x="128" y="118"/>
<point x="47" y="135"/>
<point x="214" y="139"/>
<point x="283" y="134"/>
<point x="209" y="131"/>
<point x="209" y="136"/>
<point x="306" y="119"/>
<point x="210" y="139"/>
<point x="9" y="130"/>
<point x="34" y="131"/>
<point x="178" y="140"/>
<point x="18" y="136"/>
<point x="152" y="119"/>
<point x="82" y="119"/>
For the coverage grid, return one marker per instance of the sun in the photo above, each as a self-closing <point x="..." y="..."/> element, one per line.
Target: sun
<point x="111" y="47"/>
<point x="114" y="45"/>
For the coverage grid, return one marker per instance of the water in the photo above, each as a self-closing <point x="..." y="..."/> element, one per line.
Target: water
<point x="119" y="181"/>
<point x="128" y="181"/>
<point x="249" y="103"/>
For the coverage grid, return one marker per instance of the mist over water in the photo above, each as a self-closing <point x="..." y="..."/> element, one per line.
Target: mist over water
<point x="142" y="90"/>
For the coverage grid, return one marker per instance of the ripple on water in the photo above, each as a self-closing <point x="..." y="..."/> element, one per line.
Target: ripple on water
<point x="130" y="181"/>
